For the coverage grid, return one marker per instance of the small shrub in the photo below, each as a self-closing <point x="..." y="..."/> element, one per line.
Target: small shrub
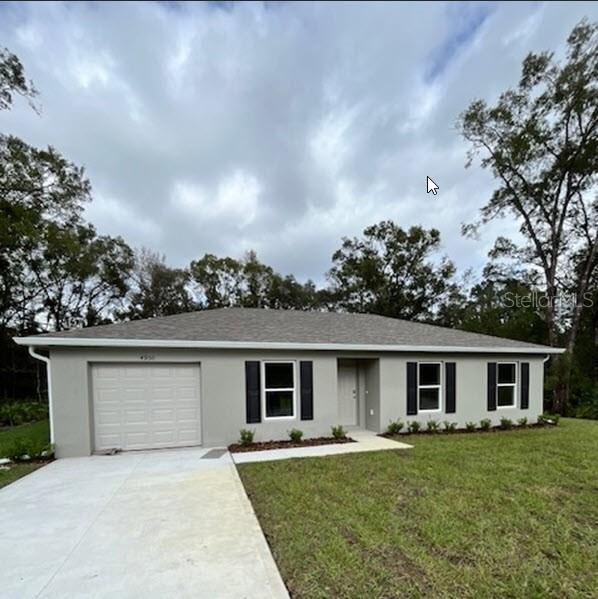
<point x="522" y="422"/>
<point x="449" y="427"/>
<point x="21" y="412"/>
<point x="485" y="424"/>
<point x="295" y="434"/>
<point x="506" y="424"/>
<point x="23" y="448"/>
<point x="470" y="427"/>
<point x="414" y="426"/>
<point x="548" y="418"/>
<point x="394" y="427"/>
<point x="432" y="426"/>
<point x="338" y="432"/>
<point x="246" y="436"/>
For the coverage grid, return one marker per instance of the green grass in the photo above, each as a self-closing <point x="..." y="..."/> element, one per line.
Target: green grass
<point x="38" y="431"/>
<point x="511" y="514"/>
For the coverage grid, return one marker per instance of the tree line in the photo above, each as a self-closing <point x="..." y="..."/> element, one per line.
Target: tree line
<point x="539" y="140"/>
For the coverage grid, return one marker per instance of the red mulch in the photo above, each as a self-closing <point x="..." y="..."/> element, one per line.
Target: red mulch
<point x="263" y="445"/>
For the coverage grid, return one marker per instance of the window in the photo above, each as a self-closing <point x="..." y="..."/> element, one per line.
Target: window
<point x="279" y="389"/>
<point x="429" y="386"/>
<point x="506" y="384"/>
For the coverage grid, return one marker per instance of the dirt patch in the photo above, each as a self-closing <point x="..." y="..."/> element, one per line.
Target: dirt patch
<point x="264" y="445"/>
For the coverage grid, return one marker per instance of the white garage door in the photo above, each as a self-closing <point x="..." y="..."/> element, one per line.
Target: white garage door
<point x="146" y="406"/>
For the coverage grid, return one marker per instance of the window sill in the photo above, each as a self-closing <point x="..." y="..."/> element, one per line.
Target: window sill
<point x="279" y="418"/>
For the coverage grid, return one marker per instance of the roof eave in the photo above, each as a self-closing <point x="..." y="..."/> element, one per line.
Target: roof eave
<point x="186" y="344"/>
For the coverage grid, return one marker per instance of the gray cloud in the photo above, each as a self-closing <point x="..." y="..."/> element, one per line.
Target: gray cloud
<point x="276" y="127"/>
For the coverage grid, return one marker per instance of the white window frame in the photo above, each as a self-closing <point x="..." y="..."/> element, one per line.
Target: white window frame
<point x="265" y="389"/>
<point x="438" y="386"/>
<point x="514" y="385"/>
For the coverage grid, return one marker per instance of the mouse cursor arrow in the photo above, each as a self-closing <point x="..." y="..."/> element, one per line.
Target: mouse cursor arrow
<point x="432" y="187"/>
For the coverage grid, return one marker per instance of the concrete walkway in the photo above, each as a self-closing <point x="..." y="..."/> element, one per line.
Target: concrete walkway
<point x="366" y="441"/>
<point x="135" y="525"/>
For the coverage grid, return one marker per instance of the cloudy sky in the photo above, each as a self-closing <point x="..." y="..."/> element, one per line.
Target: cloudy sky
<point x="281" y="127"/>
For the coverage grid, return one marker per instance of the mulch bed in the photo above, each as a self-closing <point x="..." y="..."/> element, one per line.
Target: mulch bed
<point x="441" y="431"/>
<point x="264" y="445"/>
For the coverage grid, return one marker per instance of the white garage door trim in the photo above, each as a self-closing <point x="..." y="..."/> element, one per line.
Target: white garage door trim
<point x="145" y="406"/>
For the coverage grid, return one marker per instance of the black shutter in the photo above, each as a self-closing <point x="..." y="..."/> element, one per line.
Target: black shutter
<point x="450" y="373"/>
<point x="491" y="386"/>
<point x="411" y="388"/>
<point x="307" y="390"/>
<point x="252" y="391"/>
<point x="524" y="385"/>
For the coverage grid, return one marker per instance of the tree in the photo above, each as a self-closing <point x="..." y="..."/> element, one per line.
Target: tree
<point x="37" y="188"/>
<point x="13" y="80"/>
<point x="79" y="276"/>
<point x="255" y="282"/>
<point x="53" y="265"/>
<point x="217" y="281"/>
<point x="227" y="282"/>
<point x="503" y="303"/>
<point x="391" y="272"/>
<point x="157" y="289"/>
<point x="541" y="143"/>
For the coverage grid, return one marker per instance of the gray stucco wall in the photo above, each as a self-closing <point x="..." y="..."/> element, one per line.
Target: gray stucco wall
<point x="223" y="391"/>
<point x="471" y="393"/>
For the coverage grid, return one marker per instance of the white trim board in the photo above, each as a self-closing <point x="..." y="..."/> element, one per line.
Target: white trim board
<point x="190" y="344"/>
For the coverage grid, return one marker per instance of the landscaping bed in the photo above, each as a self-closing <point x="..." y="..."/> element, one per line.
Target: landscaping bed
<point x="493" y="429"/>
<point x="264" y="445"/>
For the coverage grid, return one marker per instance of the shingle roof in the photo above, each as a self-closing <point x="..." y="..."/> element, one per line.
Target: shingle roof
<point x="248" y="326"/>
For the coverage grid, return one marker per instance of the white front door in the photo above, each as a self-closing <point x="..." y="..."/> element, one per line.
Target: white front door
<point x="145" y="406"/>
<point x="347" y="395"/>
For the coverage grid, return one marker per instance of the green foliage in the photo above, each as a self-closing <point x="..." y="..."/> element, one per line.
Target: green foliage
<point x="157" y="289"/>
<point x="586" y="400"/>
<point x="432" y="426"/>
<point x="506" y="424"/>
<point x="13" y="80"/>
<point x="414" y="426"/>
<point x="394" y="427"/>
<point x="449" y="427"/>
<point x="295" y="435"/>
<point x="21" y="412"/>
<point x="470" y="427"/>
<point x="548" y="418"/>
<point x="227" y="282"/>
<point x="27" y="441"/>
<point x="485" y="424"/>
<point x="246" y="436"/>
<point x="392" y="272"/>
<point x="522" y="422"/>
<point x="338" y="432"/>
<point x="51" y="261"/>
<point x="491" y="306"/>
<point x="25" y="448"/>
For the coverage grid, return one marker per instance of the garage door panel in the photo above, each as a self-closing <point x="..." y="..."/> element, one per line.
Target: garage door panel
<point x="185" y="437"/>
<point x="189" y="413"/>
<point x="109" y="417"/>
<point x="164" y="415"/>
<point x="146" y="406"/>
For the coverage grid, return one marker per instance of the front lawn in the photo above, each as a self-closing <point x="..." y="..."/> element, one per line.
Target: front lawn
<point x="511" y="514"/>
<point x="38" y="432"/>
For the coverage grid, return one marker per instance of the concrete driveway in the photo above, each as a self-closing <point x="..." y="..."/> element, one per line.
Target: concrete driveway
<point x="145" y="524"/>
